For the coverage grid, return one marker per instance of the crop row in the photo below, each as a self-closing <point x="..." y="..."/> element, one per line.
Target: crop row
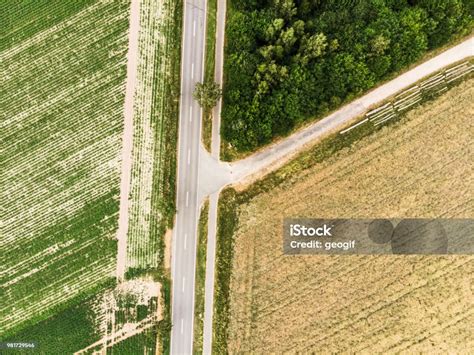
<point x="40" y="303"/>
<point x="63" y="97"/>
<point x="155" y="122"/>
<point x="61" y="62"/>
<point x="144" y="137"/>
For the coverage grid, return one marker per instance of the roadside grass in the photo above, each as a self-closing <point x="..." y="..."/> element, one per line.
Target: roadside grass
<point x="231" y="213"/>
<point x="200" y="279"/>
<point x="227" y="222"/>
<point x="210" y="63"/>
<point x="166" y="203"/>
<point x="164" y="326"/>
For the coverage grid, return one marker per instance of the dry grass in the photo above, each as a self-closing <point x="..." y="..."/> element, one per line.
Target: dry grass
<point x="420" y="167"/>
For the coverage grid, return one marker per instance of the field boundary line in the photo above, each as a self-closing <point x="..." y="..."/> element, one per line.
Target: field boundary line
<point x="127" y="141"/>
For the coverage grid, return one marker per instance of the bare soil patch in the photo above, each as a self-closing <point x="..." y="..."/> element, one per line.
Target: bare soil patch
<point x="168" y="237"/>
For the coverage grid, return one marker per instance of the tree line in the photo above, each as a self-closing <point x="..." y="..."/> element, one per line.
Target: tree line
<point x="290" y="60"/>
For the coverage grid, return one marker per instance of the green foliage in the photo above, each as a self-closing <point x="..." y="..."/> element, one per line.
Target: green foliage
<point x="287" y="60"/>
<point x="207" y="94"/>
<point x="226" y="225"/>
<point x="23" y="19"/>
<point x="70" y="330"/>
<point x="200" y="282"/>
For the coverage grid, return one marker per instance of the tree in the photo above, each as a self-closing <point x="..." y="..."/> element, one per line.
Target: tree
<point x="379" y="44"/>
<point x="207" y="94"/>
<point x="286" y="8"/>
<point x="287" y="39"/>
<point x="289" y="60"/>
<point x="314" y="47"/>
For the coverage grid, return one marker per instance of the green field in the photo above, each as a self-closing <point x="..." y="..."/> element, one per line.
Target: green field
<point x="67" y="331"/>
<point x="22" y="19"/>
<point x="142" y="343"/>
<point x="62" y="91"/>
<point x="62" y="97"/>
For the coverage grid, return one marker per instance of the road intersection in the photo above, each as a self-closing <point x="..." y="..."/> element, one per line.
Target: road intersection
<point x="202" y="174"/>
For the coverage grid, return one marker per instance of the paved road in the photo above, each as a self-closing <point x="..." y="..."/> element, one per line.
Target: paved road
<point x="184" y="238"/>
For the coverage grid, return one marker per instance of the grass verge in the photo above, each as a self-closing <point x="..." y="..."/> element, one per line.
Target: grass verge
<point x="200" y="279"/>
<point x="227" y="220"/>
<point x="164" y="326"/>
<point x="210" y="63"/>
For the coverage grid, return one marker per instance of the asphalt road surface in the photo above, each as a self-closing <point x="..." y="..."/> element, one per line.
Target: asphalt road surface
<point x="185" y="231"/>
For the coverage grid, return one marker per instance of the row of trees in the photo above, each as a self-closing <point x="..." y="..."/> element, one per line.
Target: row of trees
<point x="289" y="60"/>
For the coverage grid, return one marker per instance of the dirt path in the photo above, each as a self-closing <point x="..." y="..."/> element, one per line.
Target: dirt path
<point x="127" y="140"/>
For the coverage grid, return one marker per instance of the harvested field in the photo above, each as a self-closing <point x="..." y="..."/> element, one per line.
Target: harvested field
<point x="62" y="99"/>
<point x="421" y="166"/>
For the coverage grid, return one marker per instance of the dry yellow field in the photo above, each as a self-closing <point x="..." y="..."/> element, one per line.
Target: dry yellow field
<point x="419" y="167"/>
